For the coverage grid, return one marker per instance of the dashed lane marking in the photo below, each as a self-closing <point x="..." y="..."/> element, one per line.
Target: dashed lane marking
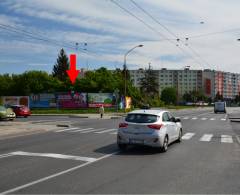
<point x="5" y="155"/>
<point x="187" y="136"/>
<point x="92" y="130"/>
<point x="206" y="137"/>
<point x="106" y="131"/>
<point x="226" y="139"/>
<point x="79" y="130"/>
<point x="69" y="129"/>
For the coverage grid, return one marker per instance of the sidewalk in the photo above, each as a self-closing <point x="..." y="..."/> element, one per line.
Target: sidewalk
<point x="94" y="116"/>
<point x="10" y="129"/>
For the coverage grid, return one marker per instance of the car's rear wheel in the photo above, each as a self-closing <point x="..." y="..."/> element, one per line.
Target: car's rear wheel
<point x="180" y="136"/>
<point x="122" y="147"/>
<point x="164" y="148"/>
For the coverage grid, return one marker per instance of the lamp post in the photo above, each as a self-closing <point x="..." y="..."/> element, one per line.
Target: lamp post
<point x="125" y="72"/>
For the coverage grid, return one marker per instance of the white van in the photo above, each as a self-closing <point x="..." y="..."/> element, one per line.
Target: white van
<point x="220" y="107"/>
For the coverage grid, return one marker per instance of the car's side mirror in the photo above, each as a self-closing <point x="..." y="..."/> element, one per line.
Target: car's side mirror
<point x="177" y="120"/>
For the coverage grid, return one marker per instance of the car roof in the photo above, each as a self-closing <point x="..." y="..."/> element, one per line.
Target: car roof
<point x="148" y="111"/>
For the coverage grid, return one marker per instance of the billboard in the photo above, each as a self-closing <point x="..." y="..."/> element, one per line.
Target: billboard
<point x="15" y="100"/>
<point x="72" y="100"/>
<point x="44" y="100"/>
<point x="98" y="99"/>
<point x="128" y="101"/>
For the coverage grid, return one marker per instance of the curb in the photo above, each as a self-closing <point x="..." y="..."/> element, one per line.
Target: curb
<point x="74" y="116"/>
<point x="115" y="117"/>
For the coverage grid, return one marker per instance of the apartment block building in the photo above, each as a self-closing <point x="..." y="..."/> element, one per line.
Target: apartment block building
<point x="187" y="80"/>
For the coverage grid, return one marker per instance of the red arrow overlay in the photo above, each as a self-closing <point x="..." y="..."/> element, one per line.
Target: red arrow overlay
<point x="72" y="72"/>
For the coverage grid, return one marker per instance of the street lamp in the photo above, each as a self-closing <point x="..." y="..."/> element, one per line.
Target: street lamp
<point x="125" y="72"/>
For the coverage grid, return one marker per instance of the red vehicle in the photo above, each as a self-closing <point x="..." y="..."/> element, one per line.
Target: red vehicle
<point x="21" y="110"/>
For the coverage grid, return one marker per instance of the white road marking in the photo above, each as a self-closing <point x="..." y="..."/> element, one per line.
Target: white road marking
<point x="79" y="130"/>
<point x="53" y="155"/>
<point x="116" y="133"/>
<point x="185" y="118"/>
<point x="105" y="131"/>
<point x="238" y="138"/>
<point x="89" y="131"/>
<point x="206" y="137"/>
<point x="212" y="119"/>
<point x="187" y="136"/>
<point x="55" y="175"/>
<point x="69" y="129"/>
<point x="223" y="119"/>
<point x="203" y="119"/>
<point x="5" y="155"/>
<point x="194" y="118"/>
<point x="226" y="139"/>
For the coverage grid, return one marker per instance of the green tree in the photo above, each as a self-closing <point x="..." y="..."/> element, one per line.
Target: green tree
<point x="218" y="96"/>
<point x="169" y="95"/>
<point x="61" y="66"/>
<point x="149" y="83"/>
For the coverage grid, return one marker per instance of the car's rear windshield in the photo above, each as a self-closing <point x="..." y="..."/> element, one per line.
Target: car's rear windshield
<point x="141" y="118"/>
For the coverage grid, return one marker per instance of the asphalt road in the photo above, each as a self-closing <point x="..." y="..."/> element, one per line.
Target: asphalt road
<point x="85" y="159"/>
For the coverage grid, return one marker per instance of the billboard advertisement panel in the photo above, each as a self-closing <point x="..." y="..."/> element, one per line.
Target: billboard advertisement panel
<point x="15" y="100"/>
<point x="44" y="100"/>
<point x="98" y="99"/>
<point x="72" y="100"/>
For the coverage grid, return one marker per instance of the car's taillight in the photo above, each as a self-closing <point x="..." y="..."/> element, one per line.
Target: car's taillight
<point x="123" y="125"/>
<point x="155" y="126"/>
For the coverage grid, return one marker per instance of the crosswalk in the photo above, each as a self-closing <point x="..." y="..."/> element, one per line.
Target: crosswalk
<point x="113" y="131"/>
<point x="209" y="137"/>
<point x="87" y="130"/>
<point x="202" y="118"/>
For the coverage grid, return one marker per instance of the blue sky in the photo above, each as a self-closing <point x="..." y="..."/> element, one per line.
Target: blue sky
<point x="109" y="32"/>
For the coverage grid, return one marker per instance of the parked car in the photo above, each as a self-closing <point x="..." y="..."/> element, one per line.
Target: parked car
<point x="21" y="110"/>
<point x="3" y="112"/>
<point x="7" y="113"/>
<point x="10" y="114"/>
<point x="155" y="128"/>
<point x="220" y="107"/>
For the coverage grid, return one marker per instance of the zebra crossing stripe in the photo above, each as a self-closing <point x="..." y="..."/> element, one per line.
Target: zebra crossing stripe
<point x="187" y="136"/>
<point x="226" y="139"/>
<point x="203" y="119"/>
<point x="105" y="131"/>
<point x="114" y="133"/>
<point x="194" y="118"/>
<point x="89" y="131"/>
<point x="69" y="129"/>
<point x="79" y="130"/>
<point x="212" y="119"/>
<point x="206" y="137"/>
<point x="185" y="118"/>
<point x="223" y="119"/>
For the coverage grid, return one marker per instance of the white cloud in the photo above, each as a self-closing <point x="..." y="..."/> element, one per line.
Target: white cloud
<point x="111" y="32"/>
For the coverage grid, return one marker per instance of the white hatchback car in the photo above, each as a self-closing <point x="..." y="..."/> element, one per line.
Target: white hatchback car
<point x="156" y="128"/>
